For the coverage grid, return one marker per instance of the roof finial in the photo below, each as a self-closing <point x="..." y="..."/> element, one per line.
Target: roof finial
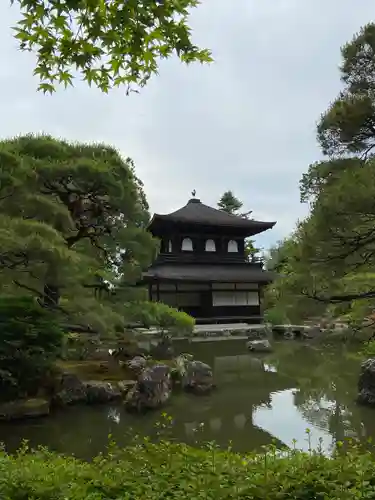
<point x="194" y="193"/>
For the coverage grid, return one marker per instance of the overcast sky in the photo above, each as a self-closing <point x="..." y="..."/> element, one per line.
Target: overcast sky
<point x="245" y="123"/>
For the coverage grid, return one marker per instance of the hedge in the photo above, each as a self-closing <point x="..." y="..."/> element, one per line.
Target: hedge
<point x="168" y="470"/>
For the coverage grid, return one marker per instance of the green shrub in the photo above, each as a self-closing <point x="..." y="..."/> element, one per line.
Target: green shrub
<point x="162" y="316"/>
<point x="177" y="471"/>
<point x="369" y="349"/>
<point x="276" y="316"/>
<point x="78" y="346"/>
<point x="30" y="340"/>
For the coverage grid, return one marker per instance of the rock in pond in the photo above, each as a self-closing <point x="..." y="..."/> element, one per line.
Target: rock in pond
<point x="24" y="408"/>
<point x="259" y="345"/>
<point x="101" y="392"/>
<point x="366" y="383"/>
<point x="257" y="333"/>
<point x="72" y="390"/>
<point x="152" y="390"/>
<point x="198" y="377"/>
<point x="125" y="386"/>
<point x="137" y="365"/>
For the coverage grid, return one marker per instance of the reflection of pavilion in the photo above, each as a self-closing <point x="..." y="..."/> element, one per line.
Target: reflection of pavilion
<point x="216" y="427"/>
<point x="244" y="384"/>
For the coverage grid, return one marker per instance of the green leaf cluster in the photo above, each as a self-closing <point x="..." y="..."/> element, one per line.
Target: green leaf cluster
<point x="162" y="316"/>
<point x="73" y="228"/>
<point x="172" y="470"/>
<point x="30" y="341"/>
<point x="347" y="126"/>
<point x="109" y="43"/>
<point x="334" y="246"/>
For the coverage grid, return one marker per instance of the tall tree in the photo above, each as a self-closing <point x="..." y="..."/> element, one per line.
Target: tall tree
<point x="73" y="225"/>
<point x="348" y="126"/>
<point x="108" y="43"/>
<point x="286" y="299"/>
<point x="230" y="204"/>
<point x="336" y="244"/>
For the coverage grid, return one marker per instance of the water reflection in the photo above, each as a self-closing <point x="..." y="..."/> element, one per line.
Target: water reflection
<point x="114" y="414"/>
<point x="258" y="400"/>
<point x="285" y="421"/>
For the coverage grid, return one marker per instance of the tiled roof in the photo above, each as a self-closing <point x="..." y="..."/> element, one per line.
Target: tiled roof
<point x="197" y="212"/>
<point x="206" y="272"/>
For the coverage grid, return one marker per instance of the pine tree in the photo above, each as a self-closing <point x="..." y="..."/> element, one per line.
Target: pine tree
<point x="230" y="204"/>
<point x="73" y="228"/>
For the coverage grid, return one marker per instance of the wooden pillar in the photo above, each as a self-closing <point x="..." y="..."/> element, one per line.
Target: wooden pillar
<point x="260" y="297"/>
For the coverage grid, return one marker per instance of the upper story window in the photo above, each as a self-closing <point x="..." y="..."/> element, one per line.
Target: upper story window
<point x="169" y="247"/>
<point x="232" y="246"/>
<point x="210" y="246"/>
<point x="187" y="245"/>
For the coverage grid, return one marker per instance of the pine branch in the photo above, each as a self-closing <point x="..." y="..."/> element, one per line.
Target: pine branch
<point x="337" y="299"/>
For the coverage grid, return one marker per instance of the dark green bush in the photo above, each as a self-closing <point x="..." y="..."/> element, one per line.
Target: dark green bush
<point x="30" y="340"/>
<point x="176" y="471"/>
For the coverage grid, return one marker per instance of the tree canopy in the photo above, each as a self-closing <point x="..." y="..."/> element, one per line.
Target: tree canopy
<point x="330" y="257"/>
<point x="107" y="43"/>
<point x="230" y="204"/>
<point x="73" y="229"/>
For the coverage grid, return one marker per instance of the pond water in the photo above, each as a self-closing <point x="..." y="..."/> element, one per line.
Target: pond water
<point x="260" y="399"/>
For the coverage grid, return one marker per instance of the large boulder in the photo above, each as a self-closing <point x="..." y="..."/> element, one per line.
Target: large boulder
<point x="24" y="408"/>
<point x="259" y="345"/>
<point x="152" y="390"/>
<point x="198" y="377"/>
<point x="366" y="383"/>
<point x="70" y="390"/>
<point x="125" y="386"/>
<point x="136" y="365"/>
<point x="101" y="392"/>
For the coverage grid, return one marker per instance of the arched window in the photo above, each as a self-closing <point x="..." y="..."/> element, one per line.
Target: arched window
<point x="187" y="245"/>
<point x="232" y="246"/>
<point x="169" y="246"/>
<point x="210" y="246"/>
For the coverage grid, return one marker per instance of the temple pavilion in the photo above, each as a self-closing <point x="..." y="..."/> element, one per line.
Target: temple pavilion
<point x="202" y="269"/>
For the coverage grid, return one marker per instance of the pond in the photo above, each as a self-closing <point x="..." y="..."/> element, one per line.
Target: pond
<point x="260" y="399"/>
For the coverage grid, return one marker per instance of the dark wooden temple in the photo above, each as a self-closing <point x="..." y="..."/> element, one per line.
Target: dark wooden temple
<point x="202" y="268"/>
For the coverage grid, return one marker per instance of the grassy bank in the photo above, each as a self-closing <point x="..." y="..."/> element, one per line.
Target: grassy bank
<point x="169" y="470"/>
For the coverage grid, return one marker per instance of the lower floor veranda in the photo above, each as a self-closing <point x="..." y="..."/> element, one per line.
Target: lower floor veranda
<point x="211" y="301"/>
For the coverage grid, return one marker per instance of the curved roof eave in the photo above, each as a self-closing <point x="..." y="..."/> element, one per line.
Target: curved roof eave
<point x="248" y="223"/>
<point x="197" y="213"/>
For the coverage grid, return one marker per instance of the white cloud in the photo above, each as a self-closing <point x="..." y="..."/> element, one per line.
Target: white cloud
<point x="246" y="122"/>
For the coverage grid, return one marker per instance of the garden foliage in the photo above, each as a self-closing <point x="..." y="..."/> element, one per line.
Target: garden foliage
<point x="175" y="471"/>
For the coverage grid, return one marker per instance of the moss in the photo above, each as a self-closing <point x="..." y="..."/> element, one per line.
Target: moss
<point x="168" y="362"/>
<point x="23" y="408"/>
<point x="96" y="370"/>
